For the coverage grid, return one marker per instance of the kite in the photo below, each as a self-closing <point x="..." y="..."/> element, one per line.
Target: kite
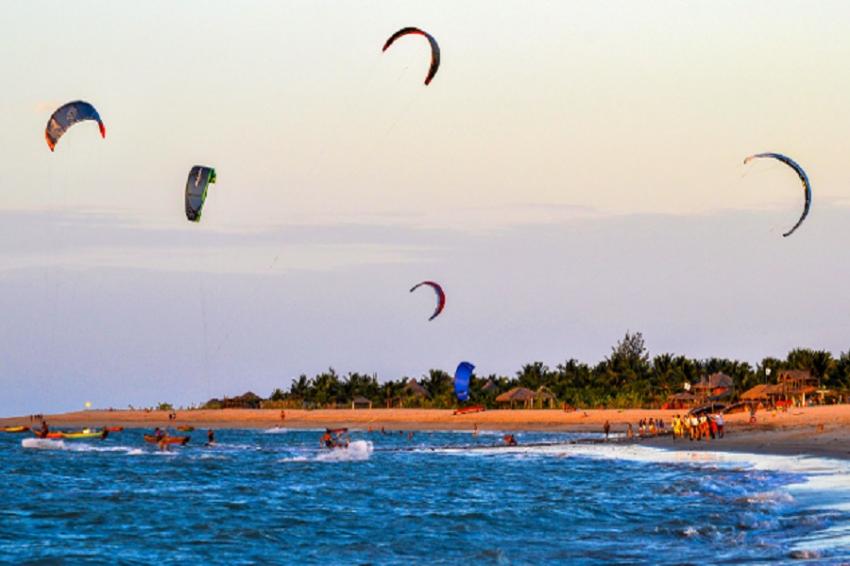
<point x="196" y="190"/>
<point x="68" y="115"/>
<point x="435" y="49"/>
<point x="441" y="296"/>
<point x="807" y="187"/>
<point x="462" y="375"/>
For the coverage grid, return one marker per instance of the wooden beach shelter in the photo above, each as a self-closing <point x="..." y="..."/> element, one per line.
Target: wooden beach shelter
<point x="763" y="393"/>
<point x="412" y="391"/>
<point x="520" y="395"/>
<point x="796" y="384"/>
<point x="716" y="386"/>
<point x="544" y="396"/>
<point x="683" y="400"/>
<point x="360" y="402"/>
<point x="248" y="400"/>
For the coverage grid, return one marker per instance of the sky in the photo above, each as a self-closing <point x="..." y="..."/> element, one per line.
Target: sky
<point x="573" y="171"/>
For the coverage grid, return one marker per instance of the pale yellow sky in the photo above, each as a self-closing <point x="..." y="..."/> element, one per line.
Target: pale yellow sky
<point x="615" y="106"/>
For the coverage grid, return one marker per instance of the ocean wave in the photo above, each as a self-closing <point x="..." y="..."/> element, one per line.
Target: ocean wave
<point x="49" y="444"/>
<point x="357" y="451"/>
<point x="276" y="430"/>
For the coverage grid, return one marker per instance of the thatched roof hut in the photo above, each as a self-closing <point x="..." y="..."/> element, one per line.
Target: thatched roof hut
<point x="520" y="395"/>
<point x="763" y="392"/>
<point x="683" y="400"/>
<point x="545" y="396"/>
<point x="360" y="402"/>
<point x="414" y="389"/>
<point x="715" y="386"/>
<point x="412" y="392"/>
<point x="249" y="400"/>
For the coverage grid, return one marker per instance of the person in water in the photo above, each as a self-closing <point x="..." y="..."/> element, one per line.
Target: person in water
<point x="210" y="437"/>
<point x="327" y="440"/>
<point x="45" y="430"/>
<point x="510" y="440"/>
<point x="607" y="428"/>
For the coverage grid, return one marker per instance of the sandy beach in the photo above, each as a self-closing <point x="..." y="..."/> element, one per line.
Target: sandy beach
<point x="821" y="430"/>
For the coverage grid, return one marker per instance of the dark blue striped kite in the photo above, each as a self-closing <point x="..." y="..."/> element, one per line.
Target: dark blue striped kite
<point x="807" y="187"/>
<point x="68" y="115"/>
<point x="199" y="179"/>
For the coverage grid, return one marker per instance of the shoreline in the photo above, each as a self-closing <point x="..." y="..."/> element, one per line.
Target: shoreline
<point x="822" y="431"/>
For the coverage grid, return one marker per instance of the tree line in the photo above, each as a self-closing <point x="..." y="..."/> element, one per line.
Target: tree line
<point x="627" y="378"/>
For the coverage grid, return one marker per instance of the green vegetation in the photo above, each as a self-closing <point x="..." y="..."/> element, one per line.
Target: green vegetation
<point x="627" y="378"/>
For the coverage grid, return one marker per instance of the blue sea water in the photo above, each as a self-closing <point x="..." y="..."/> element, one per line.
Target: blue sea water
<point x="442" y="497"/>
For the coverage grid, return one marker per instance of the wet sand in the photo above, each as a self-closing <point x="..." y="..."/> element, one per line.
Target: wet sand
<point x="821" y="431"/>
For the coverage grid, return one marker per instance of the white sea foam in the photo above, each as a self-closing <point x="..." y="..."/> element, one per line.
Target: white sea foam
<point x="295" y="459"/>
<point x="357" y="451"/>
<point x="50" y="444"/>
<point x="276" y="430"/>
<point x="43" y="444"/>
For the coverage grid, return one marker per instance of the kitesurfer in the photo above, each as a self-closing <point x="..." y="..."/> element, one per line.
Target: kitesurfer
<point x="45" y="430"/>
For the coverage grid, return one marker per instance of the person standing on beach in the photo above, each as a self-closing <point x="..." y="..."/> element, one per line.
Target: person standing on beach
<point x="720" y="423"/>
<point x="607" y="428"/>
<point x="630" y="433"/>
<point x="694" y="422"/>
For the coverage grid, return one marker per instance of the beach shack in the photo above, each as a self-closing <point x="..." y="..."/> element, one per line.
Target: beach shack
<point x="679" y="401"/>
<point x="766" y="394"/>
<point x="797" y="384"/>
<point x="518" y="395"/>
<point x="413" y="393"/>
<point x="360" y="402"/>
<point x="544" y="397"/>
<point x="715" y="387"/>
<point x="249" y="400"/>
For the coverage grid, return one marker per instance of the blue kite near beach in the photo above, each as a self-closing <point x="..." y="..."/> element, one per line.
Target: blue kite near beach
<point x="463" y="373"/>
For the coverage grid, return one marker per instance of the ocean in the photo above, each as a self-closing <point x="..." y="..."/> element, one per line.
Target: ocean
<point x="275" y="496"/>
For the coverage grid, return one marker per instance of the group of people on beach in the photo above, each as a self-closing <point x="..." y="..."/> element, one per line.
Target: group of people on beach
<point x="706" y="426"/>
<point x="699" y="427"/>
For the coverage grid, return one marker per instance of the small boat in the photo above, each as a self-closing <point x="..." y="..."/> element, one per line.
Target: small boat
<point x="185" y="428"/>
<point x="181" y="440"/>
<point x="470" y="409"/>
<point x="15" y="428"/>
<point x="114" y="428"/>
<point x="82" y="435"/>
